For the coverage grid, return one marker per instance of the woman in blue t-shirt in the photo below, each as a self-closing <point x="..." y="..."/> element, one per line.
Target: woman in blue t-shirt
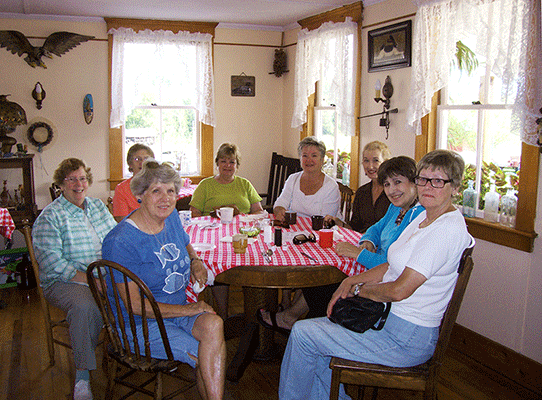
<point x="152" y="243"/>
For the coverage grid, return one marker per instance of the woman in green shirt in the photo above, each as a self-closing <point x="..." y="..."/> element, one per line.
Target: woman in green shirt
<point x="221" y="190"/>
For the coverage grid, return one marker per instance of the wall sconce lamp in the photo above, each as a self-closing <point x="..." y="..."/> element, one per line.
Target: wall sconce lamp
<point x="38" y="94"/>
<point x="387" y="92"/>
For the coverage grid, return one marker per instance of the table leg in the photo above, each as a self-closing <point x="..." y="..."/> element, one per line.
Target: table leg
<point x="254" y="299"/>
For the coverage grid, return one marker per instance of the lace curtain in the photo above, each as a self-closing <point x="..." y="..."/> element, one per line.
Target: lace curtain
<point x="195" y="51"/>
<point x="324" y="52"/>
<point x="508" y="36"/>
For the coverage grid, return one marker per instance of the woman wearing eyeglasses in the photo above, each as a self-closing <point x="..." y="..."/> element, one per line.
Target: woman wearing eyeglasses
<point x="67" y="236"/>
<point x="418" y="279"/>
<point x="124" y="201"/>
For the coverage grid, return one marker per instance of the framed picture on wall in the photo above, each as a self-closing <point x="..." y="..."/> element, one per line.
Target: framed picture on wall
<point x="243" y="85"/>
<point x="390" y="47"/>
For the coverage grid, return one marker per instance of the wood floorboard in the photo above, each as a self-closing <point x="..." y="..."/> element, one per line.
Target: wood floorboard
<point x="26" y="374"/>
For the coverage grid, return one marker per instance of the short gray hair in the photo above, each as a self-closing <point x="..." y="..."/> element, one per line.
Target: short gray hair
<point x="153" y="172"/>
<point x="311" y="141"/>
<point x="449" y="162"/>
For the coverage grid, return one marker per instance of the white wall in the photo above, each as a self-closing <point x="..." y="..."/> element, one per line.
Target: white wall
<point x="66" y="81"/>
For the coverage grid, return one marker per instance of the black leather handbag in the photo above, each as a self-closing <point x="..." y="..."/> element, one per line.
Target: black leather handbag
<point x="360" y="314"/>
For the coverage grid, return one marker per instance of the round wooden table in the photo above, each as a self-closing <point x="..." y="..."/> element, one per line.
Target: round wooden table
<point x="260" y="290"/>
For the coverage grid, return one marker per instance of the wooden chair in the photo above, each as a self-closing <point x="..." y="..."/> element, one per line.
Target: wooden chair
<point x="422" y="377"/>
<point x="55" y="191"/>
<point x="347" y="196"/>
<point x="50" y="324"/>
<point x="131" y="353"/>
<point x="281" y="168"/>
<point x="110" y="204"/>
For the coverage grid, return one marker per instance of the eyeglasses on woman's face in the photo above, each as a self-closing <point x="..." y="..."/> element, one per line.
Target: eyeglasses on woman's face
<point x="74" y="179"/>
<point x="302" y="238"/>
<point x="437" y="183"/>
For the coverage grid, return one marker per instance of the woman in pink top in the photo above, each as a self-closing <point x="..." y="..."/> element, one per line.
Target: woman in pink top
<point x="124" y="201"/>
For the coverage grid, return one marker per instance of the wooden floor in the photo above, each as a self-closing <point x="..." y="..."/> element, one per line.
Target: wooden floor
<point x="25" y="373"/>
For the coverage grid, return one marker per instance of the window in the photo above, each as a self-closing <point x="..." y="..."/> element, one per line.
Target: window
<point x="507" y="44"/>
<point x="162" y="93"/>
<point x="327" y="87"/>
<point x="327" y="129"/>
<point x="163" y="116"/>
<point x="474" y="121"/>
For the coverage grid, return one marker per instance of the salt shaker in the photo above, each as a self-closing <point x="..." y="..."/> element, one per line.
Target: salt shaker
<point x="267" y="234"/>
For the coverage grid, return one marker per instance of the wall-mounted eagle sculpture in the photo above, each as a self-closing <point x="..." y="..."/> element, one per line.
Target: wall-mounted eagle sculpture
<point x="56" y="43"/>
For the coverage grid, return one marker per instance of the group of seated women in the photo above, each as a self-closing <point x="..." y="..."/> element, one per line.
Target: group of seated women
<point x="402" y="210"/>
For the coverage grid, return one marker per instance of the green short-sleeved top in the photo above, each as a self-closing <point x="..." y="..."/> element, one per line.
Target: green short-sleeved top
<point x="210" y="194"/>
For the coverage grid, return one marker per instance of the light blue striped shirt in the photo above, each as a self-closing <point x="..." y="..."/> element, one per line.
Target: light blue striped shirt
<point x="67" y="238"/>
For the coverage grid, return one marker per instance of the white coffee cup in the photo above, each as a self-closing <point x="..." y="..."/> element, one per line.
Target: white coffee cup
<point x="225" y="214"/>
<point x="186" y="217"/>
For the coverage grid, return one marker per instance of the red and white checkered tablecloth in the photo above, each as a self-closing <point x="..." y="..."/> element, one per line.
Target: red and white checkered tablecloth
<point x="221" y="257"/>
<point x="7" y="226"/>
<point x="186" y="191"/>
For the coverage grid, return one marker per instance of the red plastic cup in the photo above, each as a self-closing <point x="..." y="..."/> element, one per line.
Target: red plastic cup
<point x="325" y="238"/>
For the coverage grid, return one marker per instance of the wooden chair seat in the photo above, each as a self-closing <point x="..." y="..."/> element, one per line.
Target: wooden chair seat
<point x="133" y="354"/>
<point x="423" y="377"/>
<point x="51" y="325"/>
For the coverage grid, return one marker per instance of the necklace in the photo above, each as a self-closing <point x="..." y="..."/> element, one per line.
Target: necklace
<point x="403" y="212"/>
<point x="151" y="231"/>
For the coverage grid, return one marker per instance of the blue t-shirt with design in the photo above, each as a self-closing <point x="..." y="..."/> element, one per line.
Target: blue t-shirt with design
<point x="161" y="260"/>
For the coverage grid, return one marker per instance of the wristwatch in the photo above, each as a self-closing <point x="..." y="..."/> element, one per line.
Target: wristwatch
<point x="357" y="287"/>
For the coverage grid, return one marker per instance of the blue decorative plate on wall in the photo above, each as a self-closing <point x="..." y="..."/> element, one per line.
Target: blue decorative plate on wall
<point x="88" y="108"/>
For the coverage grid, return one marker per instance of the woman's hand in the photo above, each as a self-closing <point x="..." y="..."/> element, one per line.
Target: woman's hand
<point x="347" y="249"/>
<point x="197" y="308"/>
<point x="343" y="291"/>
<point x="367" y="245"/>
<point x="279" y="213"/>
<point x="198" y="272"/>
<point x="329" y="221"/>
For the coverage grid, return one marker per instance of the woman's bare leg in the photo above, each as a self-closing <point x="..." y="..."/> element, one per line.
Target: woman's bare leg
<point x="286" y="318"/>
<point x="211" y="371"/>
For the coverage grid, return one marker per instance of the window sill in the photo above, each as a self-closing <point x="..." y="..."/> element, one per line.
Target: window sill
<point x="496" y="233"/>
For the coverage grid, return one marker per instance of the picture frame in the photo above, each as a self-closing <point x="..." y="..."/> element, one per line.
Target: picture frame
<point x="390" y="47"/>
<point x="243" y="85"/>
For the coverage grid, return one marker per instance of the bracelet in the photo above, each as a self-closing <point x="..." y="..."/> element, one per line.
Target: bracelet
<point x="194" y="259"/>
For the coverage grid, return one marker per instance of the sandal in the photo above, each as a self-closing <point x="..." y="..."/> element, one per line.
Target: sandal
<point x="274" y="327"/>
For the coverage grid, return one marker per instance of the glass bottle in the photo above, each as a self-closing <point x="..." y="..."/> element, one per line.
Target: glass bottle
<point x="469" y="201"/>
<point x="508" y="211"/>
<point x="491" y="209"/>
<point x="346" y="175"/>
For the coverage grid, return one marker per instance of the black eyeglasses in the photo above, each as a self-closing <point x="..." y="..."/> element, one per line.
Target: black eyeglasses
<point x="437" y="183"/>
<point x="302" y="238"/>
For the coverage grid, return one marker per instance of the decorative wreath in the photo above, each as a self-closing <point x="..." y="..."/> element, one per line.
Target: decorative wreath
<point x="33" y="141"/>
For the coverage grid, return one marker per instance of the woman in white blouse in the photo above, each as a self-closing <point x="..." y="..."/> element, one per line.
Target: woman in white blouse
<point x="309" y="192"/>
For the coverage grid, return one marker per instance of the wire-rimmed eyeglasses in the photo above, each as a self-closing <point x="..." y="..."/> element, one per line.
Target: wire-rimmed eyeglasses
<point x="437" y="183"/>
<point x="73" y="179"/>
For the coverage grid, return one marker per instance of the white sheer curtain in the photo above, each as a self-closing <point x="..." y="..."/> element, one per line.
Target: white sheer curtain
<point x="195" y="49"/>
<point x="508" y="34"/>
<point x="326" y="51"/>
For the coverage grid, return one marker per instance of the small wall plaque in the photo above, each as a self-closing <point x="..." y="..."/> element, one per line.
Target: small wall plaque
<point x="243" y="85"/>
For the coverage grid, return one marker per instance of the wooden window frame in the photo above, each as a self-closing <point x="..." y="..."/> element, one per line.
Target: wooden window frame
<point x="522" y="237"/>
<point x="115" y="134"/>
<point x="355" y="11"/>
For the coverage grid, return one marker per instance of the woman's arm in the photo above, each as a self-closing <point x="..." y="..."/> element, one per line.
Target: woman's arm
<point x="195" y="212"/>
<point x="256" y="208"/>
<point x="198" y="272"/>
<point x="345" y="289"/>
<point x="167" y="310"/>
<point x="398" y="290"/>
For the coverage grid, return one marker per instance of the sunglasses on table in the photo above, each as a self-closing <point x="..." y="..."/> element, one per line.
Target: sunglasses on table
<point x="302" y="238"/>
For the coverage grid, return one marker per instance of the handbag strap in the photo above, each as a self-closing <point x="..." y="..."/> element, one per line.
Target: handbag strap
<point x="383" y="317"/>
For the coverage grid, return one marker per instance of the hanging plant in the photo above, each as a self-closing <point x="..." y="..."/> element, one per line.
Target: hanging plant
<point x="465" y="58"/>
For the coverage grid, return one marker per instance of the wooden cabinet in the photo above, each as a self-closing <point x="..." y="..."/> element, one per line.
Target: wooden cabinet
<point x="27" y="209"/>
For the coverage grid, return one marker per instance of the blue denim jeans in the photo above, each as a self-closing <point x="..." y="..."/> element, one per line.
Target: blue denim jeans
<point x="305" y="372"/>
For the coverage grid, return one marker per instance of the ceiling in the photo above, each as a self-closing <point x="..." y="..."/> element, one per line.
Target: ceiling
<point x="278" y="13"/>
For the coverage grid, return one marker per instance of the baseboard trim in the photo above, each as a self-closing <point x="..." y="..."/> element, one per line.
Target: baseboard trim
<point x="497" y="358"/>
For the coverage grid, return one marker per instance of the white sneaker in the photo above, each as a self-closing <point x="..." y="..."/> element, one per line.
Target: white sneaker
<point x="82" y="391"/>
